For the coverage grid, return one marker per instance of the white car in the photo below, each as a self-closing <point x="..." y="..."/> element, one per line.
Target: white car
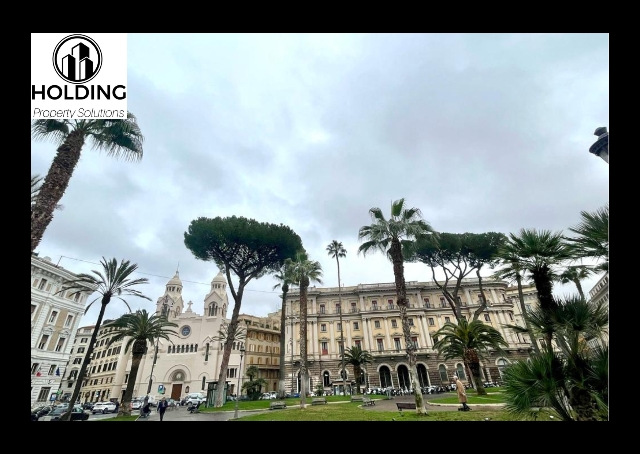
<point x="136" y="405"/>
<point x="104" y="407"/>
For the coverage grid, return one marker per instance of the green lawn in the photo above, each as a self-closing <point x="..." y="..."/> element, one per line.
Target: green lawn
<point x="264" y="404"/>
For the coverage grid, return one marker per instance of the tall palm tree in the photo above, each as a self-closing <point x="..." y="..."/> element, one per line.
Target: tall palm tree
<point x="119" y="138"/>
<point x="112" y="282"/>
<point x="592" y="240"/>
<point x="469" y="341"/>
<point x="390" y="237"/>
<point x="336" y="250"/>
<point x="513" y="270"/>
<point x="572" y="383"/>
<point x="304" y="272"/>
<point x="139" y="329"/>
<point x="358" y="358"/>
<point x="36" y="183"/>
<point x="284" y="278"/>
<point x="575" y="274"/>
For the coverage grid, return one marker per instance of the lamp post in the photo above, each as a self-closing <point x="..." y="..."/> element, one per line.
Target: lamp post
<point x="165" y="309"/>
<point x="235" y="416"/>
<point x="601" y="146"/>
<point x="292" y="318"/>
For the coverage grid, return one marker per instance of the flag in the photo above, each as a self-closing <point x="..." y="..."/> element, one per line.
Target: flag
<point x="38" y="373"/>
<point x="58" y="371"/>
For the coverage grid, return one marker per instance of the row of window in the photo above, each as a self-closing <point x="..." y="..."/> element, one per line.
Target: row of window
<point x="390" y="303"/>
<point x="394" y="323"/>
<point x="44" y="285"/>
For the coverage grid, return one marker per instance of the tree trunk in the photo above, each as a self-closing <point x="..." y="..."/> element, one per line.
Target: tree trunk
<point x="85" y="362"/>
<point x="54" y="185"/>
<point x="483" y="303"/>
<point x="581" y="403"/>
<point x="579" y="287"/>
<point x="343" y="373"/>
<point x="137" y="352"/>
<point x="304" y="374"/>
<point x="523" y="309"/>
<point x="228" y="345"/>
<point x="544" y="286"/>
<point x="282" y="392"/>
<point x="401" y="297"/>
<point x="472" y="362"/>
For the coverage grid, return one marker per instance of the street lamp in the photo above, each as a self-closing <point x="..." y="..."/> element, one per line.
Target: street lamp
<point x="238" y="392"/>
<point x="292" y="318"/>
<point x="165" y="309"/>
<point x="601" y="146"/>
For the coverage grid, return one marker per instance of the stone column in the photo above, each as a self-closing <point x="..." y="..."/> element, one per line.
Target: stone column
<point x="387" y="334"/>
<point x="332" y="336"/>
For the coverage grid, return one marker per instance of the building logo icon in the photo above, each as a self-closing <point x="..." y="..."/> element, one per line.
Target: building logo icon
<point x="77" y="59"/>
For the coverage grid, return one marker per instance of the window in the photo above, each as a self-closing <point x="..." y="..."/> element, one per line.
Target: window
<point x="76" y="298"/>
<point x="410" y="322"/>
<point x="414" y="340"/>
<point x="206" y="353"/>
<point x="203" y="382"/>
<point x="43" y="341"/>
<point x="358" y="343"/>
<point x="376" y="323"/>
<point x="339" y="326"/>
<point x="356" y="326"/>
<point x="443" y="302"/>
<point x="443" y="374"/>
<point x="60" y="344"/>
<point x="394" y="323"/>
<point x="390" y="302"/>
<point x="480" y="298"/>
<point x="43" y="396"/>
<point x="341" y="347"/>
<point x="338" y="309"/>
<point x="510" y="316"/>
<point x="43" y="282"/>
<point x="353" y="307"/>
<point x="322" y="308"/>
<point x="68" y="321"/>
<point x="325" y="348"/>
<point x="54" y="314"/>
<point x="33" y="308"/>
<point x="323" y="327"/>
<point x="431" y="322"/>
<point x="84" y="340"/>
<point x="80" y="349"/>
<point x="396" y="341"/>
<point x="486" y="318"/>
<point x="447" y="319"/>
<point x="380" y="345"/>
<point x="427" y="304"/>
<point x="460" y="371"/>
<point x="34" y="368"/>
<point x="374" y="305"/>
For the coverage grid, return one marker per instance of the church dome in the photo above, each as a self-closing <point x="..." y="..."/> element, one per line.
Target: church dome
<point x="219" y="278"/>
<point x="175" y="280"/>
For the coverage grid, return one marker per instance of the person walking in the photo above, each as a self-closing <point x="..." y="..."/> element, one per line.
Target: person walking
<point x="462" y="394"/>
<point x="162" y="407"/>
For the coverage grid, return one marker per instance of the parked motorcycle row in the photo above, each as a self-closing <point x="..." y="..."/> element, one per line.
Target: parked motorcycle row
<point x="389" y="391"/>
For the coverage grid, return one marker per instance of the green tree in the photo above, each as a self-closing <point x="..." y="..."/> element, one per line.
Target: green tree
<point x="358" y="358"/>
<point x="284" y="278"/>
<point x="138" y="329"/>
<point x="470" y="342"/>
<point x="591" y="238"/>
<point x="572" y="383"/>
<point x="575" y="274"/>
<point x="539" y="252"/>
<point x="336" y="250"/>
<point x="118" y="138"/>
<point x="305" y="271"/>
<point x="113" y="281"/>
<point x="511" y="271"/>
<point x="392" y="237"/>
<point x="245" y="247"/>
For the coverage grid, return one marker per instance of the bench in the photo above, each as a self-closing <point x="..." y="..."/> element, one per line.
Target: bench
<point x="368" y="401"/>
<point x="356" y="398"/>
<point x="277" y="404"/>
<point x="405" y="406"/>
<point x="318" y="400"/>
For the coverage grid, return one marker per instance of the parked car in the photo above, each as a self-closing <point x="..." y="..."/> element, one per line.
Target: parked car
<point x="77" y="414"/>
<point x="104" y="407"/>
<point x="136" y="404"/>
<point x="39" y="411"/>
<point x="195" y="398"/>
<point x="88" y="405"/>
<point x="171" y="403"/>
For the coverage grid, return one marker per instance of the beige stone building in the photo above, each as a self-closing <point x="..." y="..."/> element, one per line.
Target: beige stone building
<point x="263" y="347"/>
<point x="600" y="292"/>
<point x="371" y="320"/>
<point x="55" y="317"/>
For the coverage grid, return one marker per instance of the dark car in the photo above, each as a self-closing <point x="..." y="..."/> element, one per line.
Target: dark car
<point x="42" y="410"/>
<point x="78" y="414"/>
<point x="87" y="405"/>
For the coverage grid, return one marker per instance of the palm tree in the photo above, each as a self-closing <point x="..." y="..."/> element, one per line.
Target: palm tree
<point x="119" y="138"/>
<point x="572" y="383"/>
<point x="138" y="328"/>
<point x="112" y="282"/>
<point x="513" y="271"/>
<point x="592" y="240"/>
<point x="36" y="183"/>
<point x="468" y="341"/>
<point x="358" y="358"/>
<point x="336" y="250"/>
<point x="304" y="271"/>
<point x="391" y="237"/>
<point x="284" y="278"/>
<point x="575" y="274"/>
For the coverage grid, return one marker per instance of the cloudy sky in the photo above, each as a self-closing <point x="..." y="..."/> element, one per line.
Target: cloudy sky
<point x="481" y="132"/>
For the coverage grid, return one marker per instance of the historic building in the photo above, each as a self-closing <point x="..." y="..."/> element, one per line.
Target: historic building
<point x="371" y="320"/>
<point x="55" y="317"/>
<point x="600" y="292"/>
<point x="262" y="348"/>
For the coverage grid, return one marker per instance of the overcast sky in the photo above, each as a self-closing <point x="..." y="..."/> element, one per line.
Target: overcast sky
<point x="481" y="132"/>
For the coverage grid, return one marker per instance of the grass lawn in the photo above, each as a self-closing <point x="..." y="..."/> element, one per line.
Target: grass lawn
<point x="120" y="418"/>
<point x="264" y="404"/>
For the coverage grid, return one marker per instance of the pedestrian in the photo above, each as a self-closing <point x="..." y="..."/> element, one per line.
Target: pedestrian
<point x="162" y="407"/>
<point x="462" y="394"/>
